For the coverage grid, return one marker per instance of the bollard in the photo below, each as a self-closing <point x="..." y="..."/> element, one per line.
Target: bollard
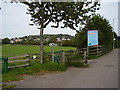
<point x="55" y="58"/>
<point x="5" y="69"/>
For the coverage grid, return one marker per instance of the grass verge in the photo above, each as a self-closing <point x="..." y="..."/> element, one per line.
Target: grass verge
<point x="5" y="86"/>
<point x="17" y="73"/>
<point x="91" y="57"/>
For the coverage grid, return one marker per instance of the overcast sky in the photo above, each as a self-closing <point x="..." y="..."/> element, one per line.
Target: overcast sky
<point x="15" y="21"/>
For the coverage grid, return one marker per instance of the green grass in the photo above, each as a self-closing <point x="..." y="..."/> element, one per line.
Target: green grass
<point x="16" y="64"/>
<point x="0" y="50"/>
<point x="76" y="64"/>
<point x="35" y="68"/>
<point x="29" y="49"/>
<point x="91" y="57"/>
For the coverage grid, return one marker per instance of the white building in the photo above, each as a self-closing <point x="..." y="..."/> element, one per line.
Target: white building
<point x="58" y="39"/>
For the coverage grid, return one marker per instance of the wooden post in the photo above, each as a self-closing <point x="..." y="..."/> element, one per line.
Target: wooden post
<point x="67" y="58"/>
<point x="63" y="57"/>
<point x="88" y="50"/>
<point x="85" y="59"/>
<point x="29" y="58"/>
<point x="84" y="55"/>
<point x="97" y="51"/>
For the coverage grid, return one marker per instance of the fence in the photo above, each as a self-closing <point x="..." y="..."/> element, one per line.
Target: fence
<point x="83" y="54"/>
<point x="64" y="57"/>
<point x="67" y="55"/>
<point x="46" y="56"/>
<point x="14" y="62"/>
<point x="96" y="50"/>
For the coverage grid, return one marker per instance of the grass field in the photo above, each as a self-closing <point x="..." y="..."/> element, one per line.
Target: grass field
<point x="35" y="67"/>
<point x="29" y="49"/>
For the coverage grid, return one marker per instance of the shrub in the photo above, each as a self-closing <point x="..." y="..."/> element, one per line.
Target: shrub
<point x="54" y="66"/>
<point x="76" y="64"/>
<point x="92" y="57"/>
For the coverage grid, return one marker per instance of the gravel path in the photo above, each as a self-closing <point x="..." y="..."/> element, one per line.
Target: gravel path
<point x="102" y="73"/>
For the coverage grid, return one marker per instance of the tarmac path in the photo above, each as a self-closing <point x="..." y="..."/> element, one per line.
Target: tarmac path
<point x="102" y="73"/>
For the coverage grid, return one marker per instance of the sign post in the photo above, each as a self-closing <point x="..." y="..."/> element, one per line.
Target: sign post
<point x="52" y="53"/>
<point x="53" y="45"/>
<point x="61" y="57"/>
<point x="92" y="39"/>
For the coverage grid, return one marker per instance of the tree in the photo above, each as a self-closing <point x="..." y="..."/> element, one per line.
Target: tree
<point x="97" y="22"/>
<point x="115" y="40"/>
<point x="53" y="39"/>
<point x="118" y="42"/>
<point x="71" y="14"/>
<point x="6" y="41"/>
<point x="44" y="13"/>
<point x="80" y="40"/>
<point x="67" y="43"/>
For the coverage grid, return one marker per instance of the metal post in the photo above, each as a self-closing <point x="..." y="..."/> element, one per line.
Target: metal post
<point x="113" y="33"/>
<point x="61" y="49"/>
<point x="5" y="64"/>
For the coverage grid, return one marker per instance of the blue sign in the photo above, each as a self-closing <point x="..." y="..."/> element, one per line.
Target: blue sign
<point x="92" y="37"/>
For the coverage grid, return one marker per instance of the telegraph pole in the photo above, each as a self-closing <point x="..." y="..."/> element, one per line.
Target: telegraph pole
<point x="113" y="33"/>
<point x="61" y="48"/>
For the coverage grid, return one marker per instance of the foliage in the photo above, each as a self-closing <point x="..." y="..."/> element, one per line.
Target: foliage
<point x="6" y="41"/>
<point x="105" y="31"/>
<point x="67" y="43"/>
<point x="97" y="22"/>
<point x="80" y="40"/>
<point x="74" y="59"/>
<point x="92" y="57"/>
<point x="42" y="13"/>
<point x="52" y="40"/>
<point x="48" y="38"/>
<point x="77" y="60"/>
<point x="34" y="39"/>
<point x="117" y="42"/>
<point x="71" y="14"/>
<point x="76" y="64"/>
<point x="5" y="86"/>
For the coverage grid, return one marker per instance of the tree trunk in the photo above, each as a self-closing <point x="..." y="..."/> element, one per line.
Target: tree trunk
<point x="41" y="45"/>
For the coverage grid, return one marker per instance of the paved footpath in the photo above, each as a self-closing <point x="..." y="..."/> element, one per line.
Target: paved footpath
<point x="102" y="73"/>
